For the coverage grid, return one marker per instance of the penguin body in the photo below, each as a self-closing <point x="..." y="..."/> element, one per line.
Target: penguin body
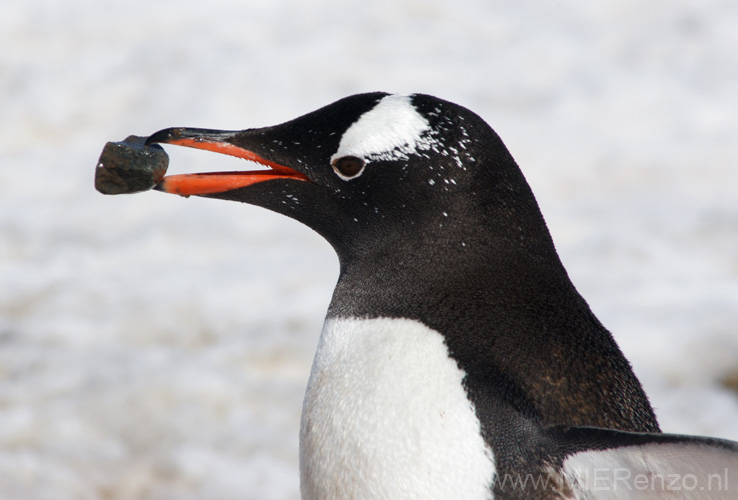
<point x="383" y="397"/>
<point x="457" y="359"/>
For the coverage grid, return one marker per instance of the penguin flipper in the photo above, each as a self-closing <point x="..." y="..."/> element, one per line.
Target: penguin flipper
<point x="607" y="464"/>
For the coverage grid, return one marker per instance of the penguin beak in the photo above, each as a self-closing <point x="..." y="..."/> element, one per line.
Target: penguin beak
<point x="219" y="141"/>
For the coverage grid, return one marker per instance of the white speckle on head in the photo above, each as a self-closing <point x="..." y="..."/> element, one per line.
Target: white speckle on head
<point x="386" y="416"/>
<point x="392" y="130"/>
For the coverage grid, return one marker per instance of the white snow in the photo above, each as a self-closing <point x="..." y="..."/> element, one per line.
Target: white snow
<point x="155" y="347"/>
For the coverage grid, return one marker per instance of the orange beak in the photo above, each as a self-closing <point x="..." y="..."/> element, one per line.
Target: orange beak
<point x="216" y="182"/>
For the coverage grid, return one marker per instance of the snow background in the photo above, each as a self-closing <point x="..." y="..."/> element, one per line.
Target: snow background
<point x="154" y="347"/>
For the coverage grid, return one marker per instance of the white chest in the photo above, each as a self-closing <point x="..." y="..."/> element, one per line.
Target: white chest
<point x="386" y="417"/>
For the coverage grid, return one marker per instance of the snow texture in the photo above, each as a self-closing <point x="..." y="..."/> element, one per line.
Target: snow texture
<point x="155" y="347"/>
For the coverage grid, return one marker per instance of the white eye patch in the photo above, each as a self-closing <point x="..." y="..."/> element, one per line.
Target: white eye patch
<point x="392" y="130"/>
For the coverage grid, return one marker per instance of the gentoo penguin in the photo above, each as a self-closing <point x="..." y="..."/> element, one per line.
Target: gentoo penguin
<point x="457" y="360"/>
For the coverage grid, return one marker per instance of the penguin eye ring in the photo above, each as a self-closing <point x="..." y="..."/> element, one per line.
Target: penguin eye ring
<point x="348" y="167"/>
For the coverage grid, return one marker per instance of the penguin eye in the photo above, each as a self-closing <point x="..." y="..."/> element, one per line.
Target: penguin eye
<point x="348" y="166"/>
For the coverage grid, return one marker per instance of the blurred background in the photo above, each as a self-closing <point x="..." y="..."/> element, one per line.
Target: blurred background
<point x="156" y="347"/>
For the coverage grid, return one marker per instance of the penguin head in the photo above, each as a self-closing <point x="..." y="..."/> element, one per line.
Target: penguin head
<point x="363" y="167"/>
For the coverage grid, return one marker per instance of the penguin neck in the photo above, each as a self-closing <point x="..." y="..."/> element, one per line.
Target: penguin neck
<point x="491" y="256"/>
<point x="510" y="316"/>
<point x="423" y="270"/>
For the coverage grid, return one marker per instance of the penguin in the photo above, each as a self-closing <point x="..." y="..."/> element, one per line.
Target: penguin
<point x="457" y="359"/>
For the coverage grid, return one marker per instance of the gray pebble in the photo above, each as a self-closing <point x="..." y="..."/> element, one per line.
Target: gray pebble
<point x="130" y="166"/>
